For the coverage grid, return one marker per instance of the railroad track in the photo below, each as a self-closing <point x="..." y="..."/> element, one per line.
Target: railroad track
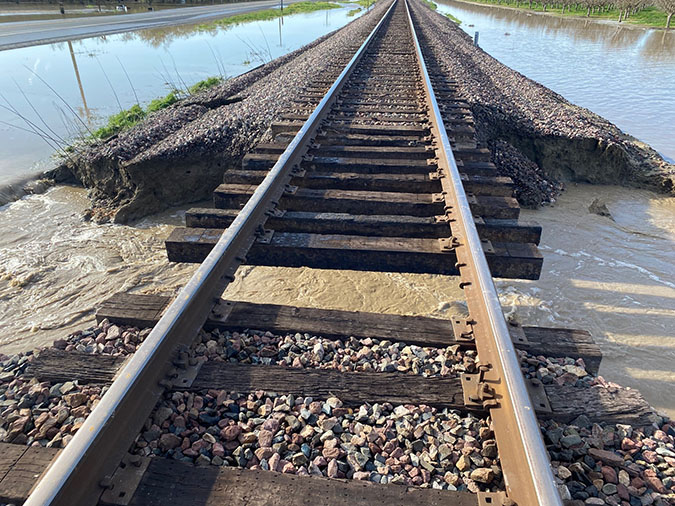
<point x="375" y="168"/>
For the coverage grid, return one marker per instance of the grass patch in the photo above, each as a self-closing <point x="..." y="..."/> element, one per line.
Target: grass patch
<point x="121" y="121"/>
<point x="126" y="119"/>
<point x="431" y="5"/>
<point x="365" y="4"/>
<point x="453" y="18"/>
<point x="353" y="12"/>
<point x="162" y="102"/>
<point x="649" y="16"/>
<point x="269" y="14"/>
<point x="205" y="84"/>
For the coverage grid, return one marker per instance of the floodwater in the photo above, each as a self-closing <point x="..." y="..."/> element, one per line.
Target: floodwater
<point x="69" y="88"/>
<point x="55" y="267"/>
<point x="623" y="73"/>
<point x="613" y="278"/>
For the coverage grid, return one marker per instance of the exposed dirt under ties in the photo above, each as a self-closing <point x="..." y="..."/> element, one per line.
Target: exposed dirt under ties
<point x="178" y="155"/>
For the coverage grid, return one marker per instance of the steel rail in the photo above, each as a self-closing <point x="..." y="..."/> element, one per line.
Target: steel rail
<point x="95" y="451"/>
<point x="524" y="459"/>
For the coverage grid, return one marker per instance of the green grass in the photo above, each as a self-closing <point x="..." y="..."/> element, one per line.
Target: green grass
<point x="649" y="16"/>
<point x="353" y="12"/>
<point x="453" y="18"/>
<point x="363" y="3"/>
<point x="268" y="14"/>
<point x="121" y="121"/>
<point x="205" y="84"/>
<point x="431" y="5"/>
<point x="124" y="120"/>
<point x="162" y="102"/>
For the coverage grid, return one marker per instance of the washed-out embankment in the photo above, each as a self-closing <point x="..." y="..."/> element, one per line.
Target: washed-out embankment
<point x="538" y="138"/>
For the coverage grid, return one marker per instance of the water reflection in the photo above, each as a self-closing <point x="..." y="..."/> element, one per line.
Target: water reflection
<point x="165" y="36"/>
<point x="90" y="75"/>
<point x="659" y="45"/>
<point x="85" y="108"/>
<point x="621" y="72"/>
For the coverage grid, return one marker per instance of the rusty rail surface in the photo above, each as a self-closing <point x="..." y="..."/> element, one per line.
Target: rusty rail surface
<point x="499" y="386"/>
<point x="85" y="466"/>
<point x="98" y="447"/>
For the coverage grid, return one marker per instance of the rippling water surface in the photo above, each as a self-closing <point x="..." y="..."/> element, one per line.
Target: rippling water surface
<point x="623" y="73"/>
<point x="615" y="279"/>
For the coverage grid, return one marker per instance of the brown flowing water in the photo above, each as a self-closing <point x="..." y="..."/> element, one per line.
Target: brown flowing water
<point x="615" y="279"/>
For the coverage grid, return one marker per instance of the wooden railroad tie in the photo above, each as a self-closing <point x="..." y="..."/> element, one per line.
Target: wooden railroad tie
<point x="161" y="481"/>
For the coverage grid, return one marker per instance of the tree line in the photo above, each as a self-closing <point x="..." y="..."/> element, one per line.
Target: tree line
<point x="625" y="8"/>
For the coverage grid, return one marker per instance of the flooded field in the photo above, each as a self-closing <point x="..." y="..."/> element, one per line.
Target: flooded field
<point x="94" y="78"/>
<point x="623" y="73"/>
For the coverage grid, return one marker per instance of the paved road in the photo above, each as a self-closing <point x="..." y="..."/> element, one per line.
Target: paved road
<point x="31" y="33"/>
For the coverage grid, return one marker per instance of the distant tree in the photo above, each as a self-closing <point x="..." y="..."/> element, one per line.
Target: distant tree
<point x="669" y="7"/>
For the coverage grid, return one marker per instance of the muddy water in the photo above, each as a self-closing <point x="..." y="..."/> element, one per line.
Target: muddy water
<point x="54" y="267"/>
<point x="615" y="279"/>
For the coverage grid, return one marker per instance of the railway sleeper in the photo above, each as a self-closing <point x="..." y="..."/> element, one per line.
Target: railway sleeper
<point x="416" y="183"/>
<point x="494" y="230"/>
<point x="328" y="138"/>
<point x="565" y="402"/>
<point x="377" y="109"/>
<point x="265" y="161"/>
<point x="360" y="253"/>
<point x="397" y="152"/>
<point x="349" y="99"/>
<point x="402" y="153"/>
<point x="234" y="196"/>
<point x="145" y="310"/>
<point x="355" y="127"/>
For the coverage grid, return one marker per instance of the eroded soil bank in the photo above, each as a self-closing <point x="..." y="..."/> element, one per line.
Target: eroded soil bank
<point x="179" y="154"/>
<point x="537" y="137"/>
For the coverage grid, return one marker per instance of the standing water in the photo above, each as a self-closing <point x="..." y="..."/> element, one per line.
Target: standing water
<point x="623" y="73"/>
<point x="99" y="76"/>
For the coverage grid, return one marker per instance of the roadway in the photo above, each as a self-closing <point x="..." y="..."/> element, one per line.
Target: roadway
<point x="31" y="33"/>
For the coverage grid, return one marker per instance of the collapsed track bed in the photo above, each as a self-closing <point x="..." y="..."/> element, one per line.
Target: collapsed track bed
<point x="374" y="167"/>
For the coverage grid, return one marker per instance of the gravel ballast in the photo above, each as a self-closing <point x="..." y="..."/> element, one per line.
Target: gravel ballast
<point x="594" y="463"/>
